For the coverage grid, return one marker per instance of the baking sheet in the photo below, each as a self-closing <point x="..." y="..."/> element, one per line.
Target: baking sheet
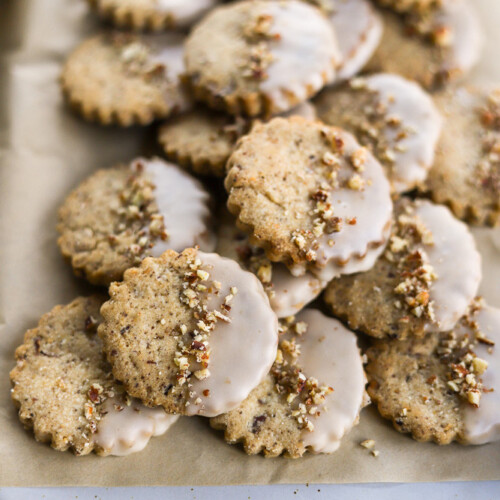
<point x="44" y="152"/>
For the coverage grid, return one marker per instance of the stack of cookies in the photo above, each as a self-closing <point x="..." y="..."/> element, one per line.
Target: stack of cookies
<point x="314" y="159"/>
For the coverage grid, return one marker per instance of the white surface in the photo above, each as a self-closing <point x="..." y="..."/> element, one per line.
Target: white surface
<point x="487" y="490"/>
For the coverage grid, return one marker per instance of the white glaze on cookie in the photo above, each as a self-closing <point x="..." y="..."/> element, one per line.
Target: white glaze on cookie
<point x="464" y="50"/>
<point x="185" y="12"/>
<point x="288" y="294"/>
<point x="127" y="429"/>
<point x="242" y="351"/>
<point x="404" y="100"/>
<point x="372" y="209"/>
<point x="303" y="31"/>
<point x="359" y="30"/>
<point x="456" y="262"/>
<point x="482" y="425"/>
<point x="329" y="353"/>
<point x="183" y="203"/>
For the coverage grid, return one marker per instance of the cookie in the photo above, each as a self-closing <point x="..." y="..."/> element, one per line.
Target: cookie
<point x="358" y="28"/>
<point x="393" y="117"/>
<point x="434" y="48"/>
<point x="120" y="215"/>
<point x="420" y="284"/>
<point x="404" y="6"/>
<point x="308" y="194"/>
<point x="311" y="398"/>
<point x="466" y="173"/>
<point x="152" y="14"/>
<point x="63" y="387"/>
<point x="442" y="387"/>
<point x="191" y="332"/>
<point x="260" y="57"/>
<point x="287" y="294"/>
<point x="202" y="140"/>
<point x="125" y="79"/>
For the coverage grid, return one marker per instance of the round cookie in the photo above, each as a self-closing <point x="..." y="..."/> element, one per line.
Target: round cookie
<point x="63" y="387"/>
<point x="358" y="28"/>
<point x="202" y="140"/>
<point x="393" y="117"/>
<point x="287" y="294"/>
<point x="434" y="47"/>
<point x="125" y="79"/>
<point x="311" y="398"/>
<point x="191" y="332"/>
<point x="420" y="284"/>
<point x="309" y="194"/>
<point x="260" y="57"/>
<point x="117" y="216"/>
<point x="466" y="172"/>
<point x="152" y="14"/>
<point x="435" y="387"/>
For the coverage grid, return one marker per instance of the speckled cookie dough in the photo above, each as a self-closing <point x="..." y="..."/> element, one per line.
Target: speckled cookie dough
<point x="192" y="332"/>
<point x="433" y="47"/>
<point x="312" y="396"/>
<point x="393" y="117"/>
<point x="308" y="194"/>
<point x="420" y="284"/>
<point x="260" y="57"/>
<point x="442" y="387"/>
<point x="126" y="79"/>
<point x="202" y="140"/>
<point x="152" y="14"/>
<point x="358" y="28"/>
<point x="466" y="173"/>
<point x="120" y="215"/>
<point x="63" y="387"/>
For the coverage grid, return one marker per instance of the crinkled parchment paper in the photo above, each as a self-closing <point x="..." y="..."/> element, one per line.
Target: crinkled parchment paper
<point x="44" y="152"/>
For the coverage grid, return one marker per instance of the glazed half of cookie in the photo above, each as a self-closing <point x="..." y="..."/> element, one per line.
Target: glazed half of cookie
<point x="126" y="79"/>
<point x="466" y="173"/>
<point x="312" y="396"/>
<point x="393" y="117"/>
<point x="433" y="46"/>
<point x="192" y="332"/>
<point x="425" y="281"/>
<point x="64" y="389"/>
<point x="310" y="195"/>
<point x="118" y="216"/>
<point x="260" y="57"/>
<point x="442" y="387"/>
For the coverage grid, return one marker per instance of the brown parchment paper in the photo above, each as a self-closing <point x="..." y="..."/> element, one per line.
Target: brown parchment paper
<point x="44" y="152"/>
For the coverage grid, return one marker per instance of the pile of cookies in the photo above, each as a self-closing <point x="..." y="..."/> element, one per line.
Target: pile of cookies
<point x="321" y="148"/>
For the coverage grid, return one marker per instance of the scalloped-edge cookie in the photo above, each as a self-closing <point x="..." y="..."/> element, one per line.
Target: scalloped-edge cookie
<point x="120" y="215"/>
<point x="393" y="117"/>
<point x="312" y="396"/>
<point x="433" y="47"/>
<point x="466" y="172"/>
<point x="126" y="79"/>
<point x="308" y="194"/>
<point x="442" y="387"/>
<point x="420" y="284"/>
<point x="260" y="57"/>
<point x="202" y="140"/>
<point x="63" y="387"/>
<point x="152" y="14"/>
<point x="192" y="332"/>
